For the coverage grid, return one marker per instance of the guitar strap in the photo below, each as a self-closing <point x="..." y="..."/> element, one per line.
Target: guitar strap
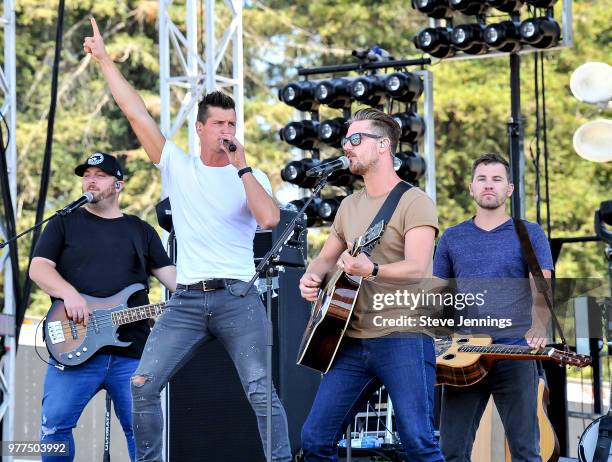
<point x="604" y="439"/>
<point x="534" y="268"/>
<point x="388" y="208"/>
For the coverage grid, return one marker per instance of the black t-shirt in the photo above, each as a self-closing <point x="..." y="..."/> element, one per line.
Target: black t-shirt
<point x="98" y="257"/>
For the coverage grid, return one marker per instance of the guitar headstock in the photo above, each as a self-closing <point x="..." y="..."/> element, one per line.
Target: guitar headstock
<point x="369" y="238"/>
<point x="570" y="359"/>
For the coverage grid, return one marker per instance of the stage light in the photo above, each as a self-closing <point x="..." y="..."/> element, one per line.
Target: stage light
<point x="335" y="93"/>
<point x="503" y="36"/>
<point x="331" y="131"/>
<point x="435" y="41"/>
<point x="368" y="90"/>
<point x="312" y="212"/>
<point x="540" y="32"/>
<point x="437" y="9"/>
<point x="409" y="166"/>
<point x="299" y="95"/>
<point x="469" y="7"/>
<point x="328" y="207"/>
<point x="302" y="134"/>
<point x="411" y="124"/>
<point x="541" y="3"/>
<point x="403" y="86"/>
<point x="469" y="38"/>
<point x="507" y="6"/>
<point x="295" y="172"/>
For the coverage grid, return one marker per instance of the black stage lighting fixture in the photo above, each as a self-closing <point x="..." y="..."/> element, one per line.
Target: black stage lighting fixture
<point x="435" y="41"/>
<point x="541" y="3"/>
<point x="469" y="38"/>
<point x="411" y="124"/>
<point x="437" y="9"/>
<point x="302" y="134"/>
<point x="469" y="7"/>
<point x="409" y="166"/>
<point x="335" y="93"/>
<point x="312" y="212"/>
<point x="295" y="172"/>
<point x="368" y="90"/>
<point x="540" y="32"/>
<point x="503" y="36"/>
<point x="331" y="131"/>
<point x="403" y="86"/>
<point x="507" y="6"/>
<point x="328" y="207"/>
<point x="300" y="95"/>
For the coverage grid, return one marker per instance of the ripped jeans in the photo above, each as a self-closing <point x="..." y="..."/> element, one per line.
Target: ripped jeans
<point x="67" y="392"/>
<point x="191" y="318"/>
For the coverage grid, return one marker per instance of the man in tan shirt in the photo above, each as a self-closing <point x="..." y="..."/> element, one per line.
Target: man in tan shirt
<point x="382" y="345"/>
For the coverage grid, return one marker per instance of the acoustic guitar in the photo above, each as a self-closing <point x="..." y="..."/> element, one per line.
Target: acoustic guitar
<point x="464" y="360"/>
<point x="333" y="308"/>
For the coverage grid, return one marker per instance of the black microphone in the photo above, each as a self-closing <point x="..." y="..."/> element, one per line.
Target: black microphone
<point x="231" y="146"/>
<point x="84" y="199"/>
<point x="325" y="168"/>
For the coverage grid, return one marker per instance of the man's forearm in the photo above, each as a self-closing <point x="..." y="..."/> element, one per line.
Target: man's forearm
<point x="401" y="271"/>
<point x="260" y="203"/>
<point x="128" y="100"/>
<point x="50" y="281"/>
<point x="321" y="267"/>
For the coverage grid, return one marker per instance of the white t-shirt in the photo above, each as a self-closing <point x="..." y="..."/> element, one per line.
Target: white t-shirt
<point x="214" y="226"/>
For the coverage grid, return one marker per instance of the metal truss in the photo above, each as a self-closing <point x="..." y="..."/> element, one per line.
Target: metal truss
<point x="7" y="326"/>
<point x="196" y="61"/>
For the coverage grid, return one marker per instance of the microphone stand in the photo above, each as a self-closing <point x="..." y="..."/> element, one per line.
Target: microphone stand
<point x="268" y="265"/>
<point x="61" y="212"/>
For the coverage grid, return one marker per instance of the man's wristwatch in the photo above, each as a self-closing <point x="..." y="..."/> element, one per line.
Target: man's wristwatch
<point x="374" y="272"/>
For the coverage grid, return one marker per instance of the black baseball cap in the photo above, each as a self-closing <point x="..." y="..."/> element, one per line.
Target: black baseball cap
<point x="104" y="162"/>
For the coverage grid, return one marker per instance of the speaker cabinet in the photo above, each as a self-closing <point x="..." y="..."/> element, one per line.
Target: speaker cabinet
<point x="209" y="417"/>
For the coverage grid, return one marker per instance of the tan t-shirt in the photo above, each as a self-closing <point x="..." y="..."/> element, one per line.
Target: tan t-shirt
<point x="354" y="215"/>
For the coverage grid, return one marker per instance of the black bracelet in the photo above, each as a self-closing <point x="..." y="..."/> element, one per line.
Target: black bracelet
<point x="374" y="272"/>
<point x="244" y="170"/>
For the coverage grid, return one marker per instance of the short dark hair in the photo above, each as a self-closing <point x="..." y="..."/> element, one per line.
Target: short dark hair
<point x="383" y="124"/>
<point x="491" y="158"/>
<point x="214" y="99"/>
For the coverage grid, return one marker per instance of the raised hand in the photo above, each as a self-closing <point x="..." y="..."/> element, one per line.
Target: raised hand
<point x="95" y="45"/>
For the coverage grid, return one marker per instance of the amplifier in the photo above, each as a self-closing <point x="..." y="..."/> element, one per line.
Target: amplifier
<point x="294" y="252"/>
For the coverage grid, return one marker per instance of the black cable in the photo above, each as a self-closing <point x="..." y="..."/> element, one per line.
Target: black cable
<point x="536" y="161"/>
<point x="46" y="167"/>
<point x="544" y="132"/>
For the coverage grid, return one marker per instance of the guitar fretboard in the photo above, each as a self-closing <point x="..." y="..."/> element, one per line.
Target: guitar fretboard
<point x="505" y="350"/>
<point x="137" y="313"/>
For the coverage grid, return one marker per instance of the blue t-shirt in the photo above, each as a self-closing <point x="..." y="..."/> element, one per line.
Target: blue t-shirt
<point x="492" y="262"/>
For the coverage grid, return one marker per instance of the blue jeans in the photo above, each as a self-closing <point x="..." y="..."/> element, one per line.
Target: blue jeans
<point x="514" y="386"/>
<point x="191" y="318"/>
<point x="405" y="365"/>
<point x="67" y="392"/>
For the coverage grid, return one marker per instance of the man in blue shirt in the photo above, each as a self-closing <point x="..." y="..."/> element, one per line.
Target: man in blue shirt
<point x="484" y="255"/>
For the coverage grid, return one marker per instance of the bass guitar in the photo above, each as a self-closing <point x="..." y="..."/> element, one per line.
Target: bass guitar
<point x="333" y="308"/>
<point x="71" y="343"/>
<point x="464" y="360"/>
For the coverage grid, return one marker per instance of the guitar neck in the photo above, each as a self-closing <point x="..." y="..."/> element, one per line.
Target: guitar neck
<point x="508" y="351"/>
<point x="137" y="313"/>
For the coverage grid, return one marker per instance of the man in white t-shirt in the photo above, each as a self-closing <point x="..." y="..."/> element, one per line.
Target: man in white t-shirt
<point x="217" y="201"/>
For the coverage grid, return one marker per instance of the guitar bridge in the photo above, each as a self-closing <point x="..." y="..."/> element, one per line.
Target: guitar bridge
<point x="56" y="333"/>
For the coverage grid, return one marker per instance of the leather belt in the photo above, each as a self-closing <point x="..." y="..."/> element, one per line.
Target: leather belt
<point x="207" y="285"/>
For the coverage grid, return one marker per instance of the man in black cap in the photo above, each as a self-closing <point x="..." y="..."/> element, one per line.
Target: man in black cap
<point x="96" y="250"/>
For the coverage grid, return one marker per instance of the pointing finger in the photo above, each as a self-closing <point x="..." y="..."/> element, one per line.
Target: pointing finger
<point x="94" y="26"/>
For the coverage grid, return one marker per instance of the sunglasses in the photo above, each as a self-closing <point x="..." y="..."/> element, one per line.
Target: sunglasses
<point x="355" y="138"/>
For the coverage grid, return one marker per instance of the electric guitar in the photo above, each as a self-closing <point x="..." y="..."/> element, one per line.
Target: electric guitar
<point x="71" y="344"/>
<point x="464" y="360"/>
<point x="333" y="308"/>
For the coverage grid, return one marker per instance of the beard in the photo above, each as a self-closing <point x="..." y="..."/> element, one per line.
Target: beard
<point x="102" y="194"/>
<point x="361" y="168"/>
<point x="491" y="202"/>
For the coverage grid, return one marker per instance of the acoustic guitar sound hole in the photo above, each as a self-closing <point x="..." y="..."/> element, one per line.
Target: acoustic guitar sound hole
<point x="463" y="340"/>
<point x="448" y="357"/>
